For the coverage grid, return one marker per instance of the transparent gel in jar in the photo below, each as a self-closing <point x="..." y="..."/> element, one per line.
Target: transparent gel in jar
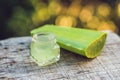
<point x="44" y="49"/>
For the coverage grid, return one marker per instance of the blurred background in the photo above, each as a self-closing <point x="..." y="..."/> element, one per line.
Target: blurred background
<point x="19" y="17"/>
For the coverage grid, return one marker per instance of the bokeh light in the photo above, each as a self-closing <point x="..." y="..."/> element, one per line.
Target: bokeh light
<point x="91" y="14"/>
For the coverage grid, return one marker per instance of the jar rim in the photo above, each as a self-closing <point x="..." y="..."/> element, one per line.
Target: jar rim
<point x="48" y="35"/>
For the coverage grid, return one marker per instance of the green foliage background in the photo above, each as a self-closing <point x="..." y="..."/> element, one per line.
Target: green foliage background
<point x="16" y="16"/>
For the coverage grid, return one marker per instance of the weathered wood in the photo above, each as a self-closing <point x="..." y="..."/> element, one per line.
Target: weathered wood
<point x="15" y="63"/>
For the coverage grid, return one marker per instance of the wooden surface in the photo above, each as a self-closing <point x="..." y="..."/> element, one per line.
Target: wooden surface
<point x="15" y="63"/>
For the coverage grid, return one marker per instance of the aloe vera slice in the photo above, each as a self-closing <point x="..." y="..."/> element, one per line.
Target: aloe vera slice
<point x="85" y="42"/>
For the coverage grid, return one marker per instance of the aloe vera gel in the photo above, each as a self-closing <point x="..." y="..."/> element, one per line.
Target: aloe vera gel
<point x="44" y="49"/>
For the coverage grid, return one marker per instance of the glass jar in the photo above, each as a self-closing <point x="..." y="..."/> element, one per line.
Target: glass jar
<point x="44" y="49"/>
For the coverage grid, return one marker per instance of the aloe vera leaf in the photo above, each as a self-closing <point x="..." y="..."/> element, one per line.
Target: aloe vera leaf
<point x="85" y="42"/>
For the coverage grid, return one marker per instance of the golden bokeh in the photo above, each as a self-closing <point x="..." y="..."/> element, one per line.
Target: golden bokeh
<point x="108" y="25"/>
<point x="65" y="21"/>
<point x="104" y="10"/>
<point x="77" y="13"/>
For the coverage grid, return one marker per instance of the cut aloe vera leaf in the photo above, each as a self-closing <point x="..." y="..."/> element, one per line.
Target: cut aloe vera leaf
<point x="85" y="42"/>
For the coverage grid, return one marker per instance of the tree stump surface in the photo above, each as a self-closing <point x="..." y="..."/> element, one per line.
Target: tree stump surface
<point x="15" y="63"/>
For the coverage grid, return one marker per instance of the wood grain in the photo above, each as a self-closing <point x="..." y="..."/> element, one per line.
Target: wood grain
<point x="15" y="63"/>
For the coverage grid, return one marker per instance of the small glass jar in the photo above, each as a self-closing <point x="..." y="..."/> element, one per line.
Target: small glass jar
<point x="44" y="49"/>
